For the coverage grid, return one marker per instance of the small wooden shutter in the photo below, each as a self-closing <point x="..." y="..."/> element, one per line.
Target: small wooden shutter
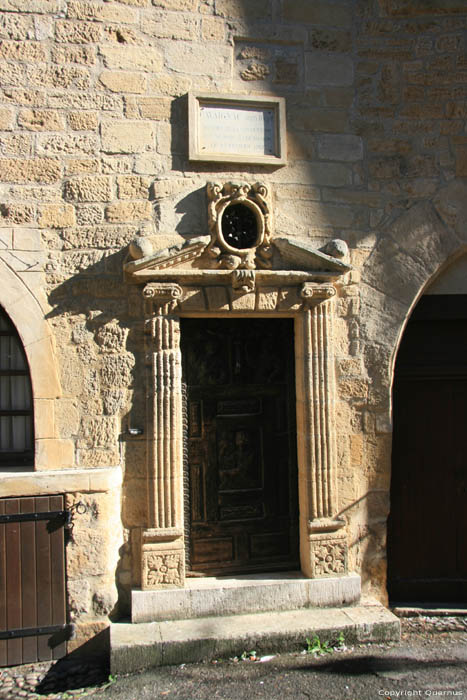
<point x="32" y="581"/>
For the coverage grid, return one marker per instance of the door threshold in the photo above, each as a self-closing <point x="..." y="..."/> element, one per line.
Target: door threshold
<point x="434" y="609"/>
<point x="243" y="594"/>
<point x="238" y="580"/>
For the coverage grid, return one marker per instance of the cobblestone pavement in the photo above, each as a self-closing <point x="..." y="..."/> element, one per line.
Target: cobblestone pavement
<point x="68" y="679"/>
<point x="53" y="680"/>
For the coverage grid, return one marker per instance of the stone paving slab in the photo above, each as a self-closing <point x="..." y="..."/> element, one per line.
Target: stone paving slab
<point x="136" y="646"/>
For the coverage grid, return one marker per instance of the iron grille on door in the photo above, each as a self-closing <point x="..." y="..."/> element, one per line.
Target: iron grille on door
<point x="32" y="580"/>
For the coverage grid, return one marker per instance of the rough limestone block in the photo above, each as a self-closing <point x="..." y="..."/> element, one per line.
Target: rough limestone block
<point x="54" y="454"/>
<point x="127" y="136"/>
<point x="30" y="51"/>
<point x="40" y="120"/>
<point x="107" y="12"/>
<point x="167" y="26"/>
<point x="56" y="216"/>
<point x="85" y="55"/>
<point x="346" y="147"/>
<point x="88" y="189"/>
<point x="192" y="59"/>
<point x="83" y="121"/>
<point x="6" y="118"/>
<point x="177" y="5"/>
<point x="132" y="58"/>
<point x="129" y="211"/>
<point x="123" y="81"/>
<point x="321" y="70"/>
<point x="47" y="170"/>
<point x="132" y="187"/>
<point x="77" y="32"/>
<point x="319" y="12"/>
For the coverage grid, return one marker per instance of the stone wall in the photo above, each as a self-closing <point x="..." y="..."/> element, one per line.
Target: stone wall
<point x="93" y="151"/>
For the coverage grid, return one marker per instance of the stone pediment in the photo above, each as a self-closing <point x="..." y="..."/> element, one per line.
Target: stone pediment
<point x="193" y="259"/>
<point x="240" y="249"/>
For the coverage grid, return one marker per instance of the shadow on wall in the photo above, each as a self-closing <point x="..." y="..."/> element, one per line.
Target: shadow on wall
<point x="109" y="336"/>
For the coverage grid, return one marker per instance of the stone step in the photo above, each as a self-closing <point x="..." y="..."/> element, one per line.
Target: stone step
<point x="137" y="646"/>
<point x="206" y="597"/>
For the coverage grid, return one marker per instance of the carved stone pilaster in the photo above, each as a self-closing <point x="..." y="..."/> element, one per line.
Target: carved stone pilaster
<point x="162" y="557"/>
<point x="317" y="438"/>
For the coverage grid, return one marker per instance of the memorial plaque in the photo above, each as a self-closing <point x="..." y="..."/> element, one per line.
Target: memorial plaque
<point x="242" y="130"/>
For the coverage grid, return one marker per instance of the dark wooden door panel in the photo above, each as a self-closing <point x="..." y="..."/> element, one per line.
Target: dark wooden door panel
<point x="427" y="528"/>
<point x="241" y="445"/>
<point x="32" y="580"/>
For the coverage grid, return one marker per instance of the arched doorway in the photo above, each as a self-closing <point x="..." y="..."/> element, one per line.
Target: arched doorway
<point x="427" y="527"/>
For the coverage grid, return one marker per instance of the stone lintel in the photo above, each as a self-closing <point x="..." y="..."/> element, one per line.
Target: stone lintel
<point x="205" y="278"/>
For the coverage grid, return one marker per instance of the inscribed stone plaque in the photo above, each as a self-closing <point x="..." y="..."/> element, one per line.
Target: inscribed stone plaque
<point x="240" y="130"/>
<point x="237" y="129"/>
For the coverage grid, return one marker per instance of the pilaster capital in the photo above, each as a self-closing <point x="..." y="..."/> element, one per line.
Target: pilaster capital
<point x="313" y="293"/>
<point x="162" y="297"/>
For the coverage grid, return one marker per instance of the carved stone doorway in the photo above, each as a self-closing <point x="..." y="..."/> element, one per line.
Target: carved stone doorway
<point x="242" y="273"/>
<point x="242" y="511"/>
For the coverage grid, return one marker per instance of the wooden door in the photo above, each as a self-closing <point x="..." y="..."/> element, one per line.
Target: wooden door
<point x="241" y="445"/>
<point x="427" y="529"/>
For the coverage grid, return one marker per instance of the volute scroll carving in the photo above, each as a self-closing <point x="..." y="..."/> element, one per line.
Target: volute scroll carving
<point x="162" y="297"/>
<point x="313" y="293"/>
<point x="240" y="224"/>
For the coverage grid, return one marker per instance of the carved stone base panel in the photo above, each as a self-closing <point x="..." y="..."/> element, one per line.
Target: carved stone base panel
<point x="328" y="555"/>
<point x="162" y="564"/>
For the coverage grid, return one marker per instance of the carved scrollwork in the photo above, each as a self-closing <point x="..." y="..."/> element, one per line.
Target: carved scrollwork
<point x="163" y="296"/>
<point x="243" y="281"/>
<point x="240" y="223"/>
<point x="311" y="292"/>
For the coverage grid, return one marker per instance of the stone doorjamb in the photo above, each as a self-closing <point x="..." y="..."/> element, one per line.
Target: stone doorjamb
<point x="323" y="546"/>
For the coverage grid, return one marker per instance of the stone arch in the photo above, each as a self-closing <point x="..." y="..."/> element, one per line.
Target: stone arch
<point x="26" y="313"/>
<point x="410" y="254"/>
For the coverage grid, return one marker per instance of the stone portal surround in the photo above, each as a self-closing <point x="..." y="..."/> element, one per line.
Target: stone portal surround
<point x="323" y="546"/>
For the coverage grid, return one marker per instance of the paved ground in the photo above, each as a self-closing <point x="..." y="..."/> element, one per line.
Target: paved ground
<point x="430" y="661"/>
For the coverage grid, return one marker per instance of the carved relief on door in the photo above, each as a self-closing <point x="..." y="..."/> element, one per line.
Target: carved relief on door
<point x="241" y="445"/>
